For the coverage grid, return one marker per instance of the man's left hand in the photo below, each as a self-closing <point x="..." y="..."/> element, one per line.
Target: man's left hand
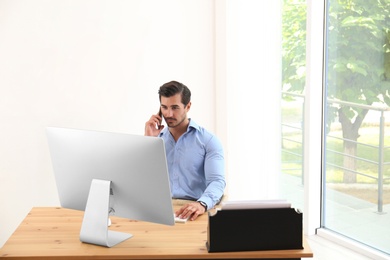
<point x="191" y="210"/>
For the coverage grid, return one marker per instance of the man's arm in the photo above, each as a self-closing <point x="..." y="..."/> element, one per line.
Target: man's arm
<point x="214" y="168"/>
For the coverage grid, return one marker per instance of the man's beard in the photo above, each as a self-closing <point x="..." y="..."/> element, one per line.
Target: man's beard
<point x="173" y="124"/>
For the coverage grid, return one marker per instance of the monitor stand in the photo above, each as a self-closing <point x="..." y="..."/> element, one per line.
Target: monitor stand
<point x="94" y="229"/>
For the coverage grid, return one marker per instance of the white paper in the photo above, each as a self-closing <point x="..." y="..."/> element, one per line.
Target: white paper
<point x="255" y="204"/>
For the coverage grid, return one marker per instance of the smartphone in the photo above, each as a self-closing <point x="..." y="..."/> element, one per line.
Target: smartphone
<point x="160" y="115"/>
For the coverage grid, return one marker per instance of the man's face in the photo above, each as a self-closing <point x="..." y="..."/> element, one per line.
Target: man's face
<point x="174" y="112"/>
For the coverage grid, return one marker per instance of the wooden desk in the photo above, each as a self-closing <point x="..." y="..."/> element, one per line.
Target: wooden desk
<point x="53" y="233"/>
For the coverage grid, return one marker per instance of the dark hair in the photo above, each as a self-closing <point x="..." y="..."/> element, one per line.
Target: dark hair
<point x="172" y="88"/>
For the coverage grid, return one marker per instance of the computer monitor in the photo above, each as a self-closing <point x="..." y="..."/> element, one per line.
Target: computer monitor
<point x="106" y="173"/>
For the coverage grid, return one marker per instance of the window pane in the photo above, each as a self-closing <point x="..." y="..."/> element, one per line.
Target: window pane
<point x="357" y="120"/>
<point x="293" y="101"/>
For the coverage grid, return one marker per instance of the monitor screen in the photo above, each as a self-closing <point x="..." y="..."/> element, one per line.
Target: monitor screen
<point x="102" y="172"/>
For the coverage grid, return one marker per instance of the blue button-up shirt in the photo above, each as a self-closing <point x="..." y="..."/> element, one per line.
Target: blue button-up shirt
<point x="196" y="165"/>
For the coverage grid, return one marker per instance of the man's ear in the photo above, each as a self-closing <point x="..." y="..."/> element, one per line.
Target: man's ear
<point x="188" y="106"/>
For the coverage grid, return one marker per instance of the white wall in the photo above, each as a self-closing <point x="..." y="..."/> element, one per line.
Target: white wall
<point x="92" y="65"/>
<point x="253" y="83"/>
<point x="98" y="64"/>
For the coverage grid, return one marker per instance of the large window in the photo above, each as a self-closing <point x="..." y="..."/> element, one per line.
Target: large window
<point x="356" y="175"/>
<point x="356" y="116"/>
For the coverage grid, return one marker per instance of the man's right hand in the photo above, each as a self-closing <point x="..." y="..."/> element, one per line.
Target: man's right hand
<point x="153" y="127"/>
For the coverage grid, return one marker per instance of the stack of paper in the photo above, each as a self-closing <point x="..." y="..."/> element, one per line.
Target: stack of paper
<point x="255" y="204"/>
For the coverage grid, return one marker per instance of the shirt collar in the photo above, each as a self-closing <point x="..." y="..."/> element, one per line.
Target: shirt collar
<point x="193" y="124"/>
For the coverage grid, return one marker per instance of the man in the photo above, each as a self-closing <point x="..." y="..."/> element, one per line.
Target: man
<point x="195" y="156"/>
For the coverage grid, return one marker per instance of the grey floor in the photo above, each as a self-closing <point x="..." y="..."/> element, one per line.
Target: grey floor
<point x="349" y="216"/>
